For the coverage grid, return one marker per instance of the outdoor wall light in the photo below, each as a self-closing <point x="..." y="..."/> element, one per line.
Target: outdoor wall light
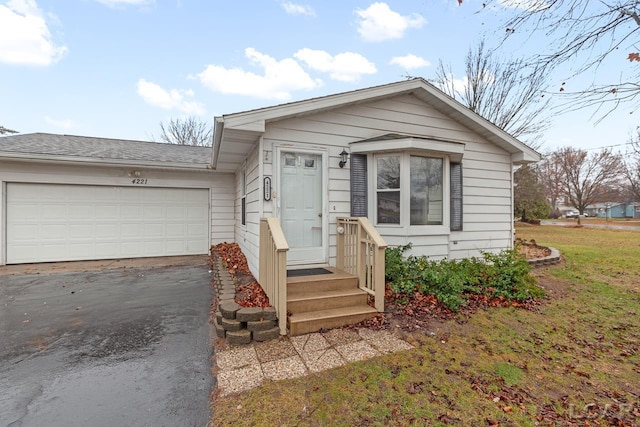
<point x="343" y="158"/>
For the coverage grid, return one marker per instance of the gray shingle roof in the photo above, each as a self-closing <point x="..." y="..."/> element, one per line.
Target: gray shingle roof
<point x="85" y="148"/>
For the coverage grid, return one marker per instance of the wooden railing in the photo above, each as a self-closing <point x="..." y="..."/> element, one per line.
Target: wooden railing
<point x="360" y="252"/>
<point x="273" y="268"/>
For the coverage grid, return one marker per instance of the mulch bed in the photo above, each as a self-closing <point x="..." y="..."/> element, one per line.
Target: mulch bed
<point x="248" y="292"/>
<point x="408" y="314"/>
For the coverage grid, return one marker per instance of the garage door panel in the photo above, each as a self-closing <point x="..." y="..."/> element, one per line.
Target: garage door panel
<point x="194" y="212"/>
<point x="50" y="222"/>
<point x="154" y="212"/>
<point x="81" y="232"/>
<point x="80" y="212"/>
<point x="79" y="250"/>
<point x="130" y="211"/>
<point x="195" y="230"/>
<point x="53" y="232"/>
<point x="106" y="212"/>
<point x="176" y="230"/>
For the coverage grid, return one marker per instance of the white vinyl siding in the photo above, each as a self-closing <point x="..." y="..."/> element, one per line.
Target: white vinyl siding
<point x="247" y="235"/>
<point x="486" y="171"/>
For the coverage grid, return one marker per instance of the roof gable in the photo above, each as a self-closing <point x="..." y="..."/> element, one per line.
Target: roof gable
<point x="245" y="127"/>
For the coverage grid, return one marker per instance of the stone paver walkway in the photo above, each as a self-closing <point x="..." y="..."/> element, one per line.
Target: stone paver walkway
<point x="242" y="368"/>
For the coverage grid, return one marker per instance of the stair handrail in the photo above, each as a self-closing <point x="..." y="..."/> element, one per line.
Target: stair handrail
<point x="360" y="251"/>
<point x="273" y="267"/>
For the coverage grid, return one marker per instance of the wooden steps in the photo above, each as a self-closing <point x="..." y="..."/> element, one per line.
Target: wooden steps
<point x="325" y="301"/>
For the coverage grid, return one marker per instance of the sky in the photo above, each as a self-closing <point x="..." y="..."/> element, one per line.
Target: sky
<point x="117" y="68"/>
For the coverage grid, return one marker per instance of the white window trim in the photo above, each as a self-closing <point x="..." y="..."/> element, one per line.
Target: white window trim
<point x="405" y="213"/>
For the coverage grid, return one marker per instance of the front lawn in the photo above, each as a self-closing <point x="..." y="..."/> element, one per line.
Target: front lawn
<point x="574" y="360"/>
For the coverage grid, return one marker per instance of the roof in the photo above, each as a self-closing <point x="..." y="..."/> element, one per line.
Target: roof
<point x="238" y="132"/>
<point x="72" y="148"/>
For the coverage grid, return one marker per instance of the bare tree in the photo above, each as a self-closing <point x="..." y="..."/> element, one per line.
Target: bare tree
<point x="4" y="130"/>
<point x="551" y="176"/>
<point x="189" y="131"/>
<point x="582" y="35"/>
<point x="529" y="199"/>
<point x="506" y="93"/>
<point x="632" y="168"/>
<point x="588" y="179"/>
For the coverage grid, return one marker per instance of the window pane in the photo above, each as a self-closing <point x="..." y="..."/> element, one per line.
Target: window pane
<point x="388" y="172"/>
<point x="389" y="207"/>
<point x="426" y="191"/>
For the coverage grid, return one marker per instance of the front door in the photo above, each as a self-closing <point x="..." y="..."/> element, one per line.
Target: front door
<point x="301" y="202"/>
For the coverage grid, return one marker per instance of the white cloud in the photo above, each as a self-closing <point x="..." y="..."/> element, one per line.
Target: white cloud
<point x="297" y="9"/>
<point x="457" y="84"/>
<point x="346" y="67"/>
<point x="62" y="124"/>
<point x="378" y="23"/>
<point x="529" y="5"/>
<point x="409" y="62"/>
<point x="280" y="78"/>
<point x="169" y="99"/>
<point x="24" y="35"/>
<point x="117" y="3"/>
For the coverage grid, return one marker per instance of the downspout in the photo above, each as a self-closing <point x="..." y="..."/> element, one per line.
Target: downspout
<point x="513" y="217"/>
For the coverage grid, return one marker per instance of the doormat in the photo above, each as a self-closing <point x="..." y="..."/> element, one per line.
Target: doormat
<point x="307" y="272"/>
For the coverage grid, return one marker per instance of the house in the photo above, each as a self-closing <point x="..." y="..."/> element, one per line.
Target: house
<point x="614" y="210"/>
<point x="324" y="182"/>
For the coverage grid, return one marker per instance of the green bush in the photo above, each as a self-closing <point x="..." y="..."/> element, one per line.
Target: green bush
<point x="495" y="275"/>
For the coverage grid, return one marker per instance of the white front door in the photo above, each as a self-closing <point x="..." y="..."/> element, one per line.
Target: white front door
<point x="301" y="206"/>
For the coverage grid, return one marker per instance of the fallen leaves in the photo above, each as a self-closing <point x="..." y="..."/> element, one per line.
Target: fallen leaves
<point x="232" y="257"/>
<point x="249" y="293"/>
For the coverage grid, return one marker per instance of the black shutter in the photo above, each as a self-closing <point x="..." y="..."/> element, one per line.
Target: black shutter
<point x="456" y="197"/>
<point x="359" y="185"/>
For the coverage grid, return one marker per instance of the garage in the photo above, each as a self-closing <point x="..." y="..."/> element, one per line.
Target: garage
<point x="64" y="222"/>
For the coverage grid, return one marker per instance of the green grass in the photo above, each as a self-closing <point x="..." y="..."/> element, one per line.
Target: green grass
<point x="507" y="365"/>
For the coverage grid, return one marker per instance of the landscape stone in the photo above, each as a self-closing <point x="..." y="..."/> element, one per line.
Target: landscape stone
<point x="239" y="337"/>
<point x="220" y="332"/>
<point x="250" y="314"/>
<point x="269" y="313"/>
<point x="232" y="325"/>
<point x="261" y="325"/>
<point x="229" y="309"/>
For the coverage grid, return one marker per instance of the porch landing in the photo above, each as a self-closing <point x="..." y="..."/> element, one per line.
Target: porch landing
<point x="325" y="301"/>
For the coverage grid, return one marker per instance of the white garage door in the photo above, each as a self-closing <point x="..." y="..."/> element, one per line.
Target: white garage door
<point x="50" y="222"/>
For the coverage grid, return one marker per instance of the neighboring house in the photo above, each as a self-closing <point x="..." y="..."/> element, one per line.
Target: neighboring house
<point x="420" y="166"/>
<point x="615" y="210"/>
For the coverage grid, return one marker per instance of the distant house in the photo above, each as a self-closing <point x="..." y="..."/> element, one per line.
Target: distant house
<point x="615" y="210"/>
<point x="402" y="162"/>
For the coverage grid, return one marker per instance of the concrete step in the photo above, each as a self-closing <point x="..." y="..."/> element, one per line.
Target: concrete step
<point x="313" y="321"/>
<point x="337" y="280"/>
<point x="325" y="300"/>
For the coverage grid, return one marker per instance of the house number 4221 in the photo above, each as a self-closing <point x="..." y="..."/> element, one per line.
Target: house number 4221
<point x="139" y="181"/>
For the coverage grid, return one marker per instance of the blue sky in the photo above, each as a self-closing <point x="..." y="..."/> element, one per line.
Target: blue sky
<point x="117" y="68"/>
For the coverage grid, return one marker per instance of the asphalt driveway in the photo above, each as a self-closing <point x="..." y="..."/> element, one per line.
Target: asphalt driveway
<point x="119" y="347"/>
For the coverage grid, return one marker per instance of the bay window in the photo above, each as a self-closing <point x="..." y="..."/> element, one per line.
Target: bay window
<point x="409" y="189"/>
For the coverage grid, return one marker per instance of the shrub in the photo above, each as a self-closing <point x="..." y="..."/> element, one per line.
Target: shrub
<point x="503" y="275"/>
